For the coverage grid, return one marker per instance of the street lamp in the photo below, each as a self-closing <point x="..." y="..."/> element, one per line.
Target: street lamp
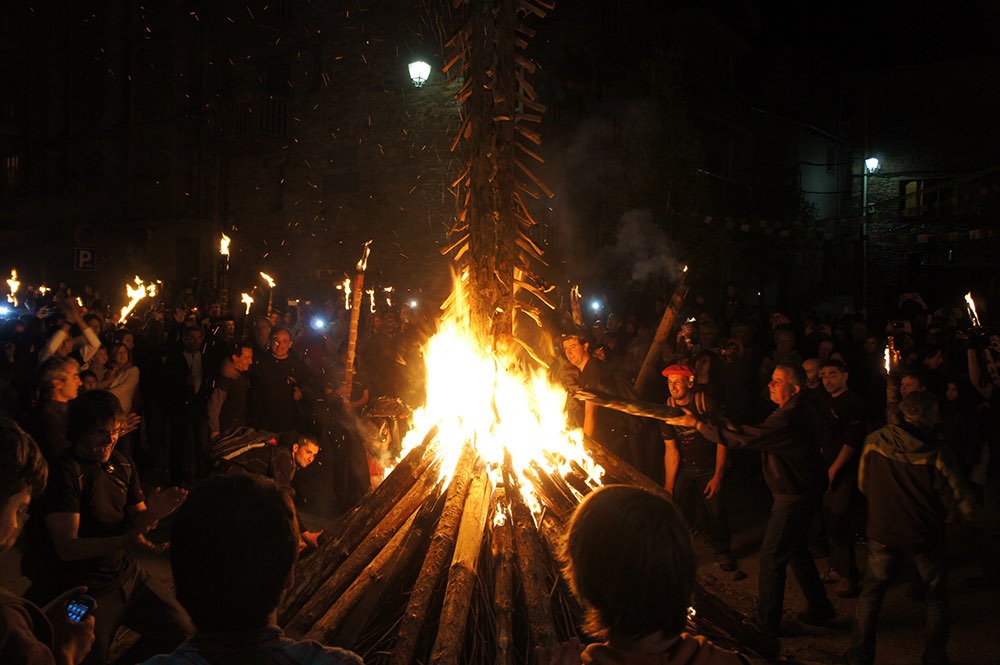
<point x="420" y="71"/>
<point x="871" y="165"/>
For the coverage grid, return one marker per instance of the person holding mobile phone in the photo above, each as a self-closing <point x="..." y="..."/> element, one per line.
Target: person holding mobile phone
<point x="30" y="635"/>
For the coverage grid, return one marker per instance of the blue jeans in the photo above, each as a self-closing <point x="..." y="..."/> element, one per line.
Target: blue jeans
<point x="785" y="544"/>
<point x="883" y="564"/>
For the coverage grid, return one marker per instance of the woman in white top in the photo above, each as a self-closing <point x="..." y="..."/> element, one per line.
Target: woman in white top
<point x="122" y="378"/>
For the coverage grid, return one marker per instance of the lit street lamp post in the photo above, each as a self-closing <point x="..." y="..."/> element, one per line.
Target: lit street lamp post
<point x="871" y="164"/>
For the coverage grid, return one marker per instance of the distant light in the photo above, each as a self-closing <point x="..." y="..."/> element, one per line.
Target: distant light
<point x="413" y="304"/>
<point x="4" y="310"/>
<point x="871" y="164"/>
<point x="596" y="305"/>
<point x="318" y="323"/>
<point x="420" y="71"/>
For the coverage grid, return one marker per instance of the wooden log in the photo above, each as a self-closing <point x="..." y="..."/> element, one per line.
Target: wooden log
<point x="745" y="633"/>
<point x="638" y="408"/>
<point x="533" y="566"/>
<point x="347" y="532"/>
<point x="435" y="562"/>
<point x="362" y="555"/>
<point x="462" y="577"/>
<point x="327" y="624"/>
<point x="617" y="468"/>
<point x="343" y="623"/>
<point x="503" y="589"/>
<point x="650" y="365"/>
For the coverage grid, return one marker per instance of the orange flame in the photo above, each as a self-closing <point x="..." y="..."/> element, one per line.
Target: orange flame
<point x="388" y="295"/>
<point x="135" y="295"/>
<point x="224" y="245"/>
<point x="371" y="300"/>
<point x="14" y="286"/>
<point x="487" y="397"/>
<point x="363" y="263"/>
<point x="247" y="300"/>
<point x="267" y="278"/>
<point x="973" y="314"/>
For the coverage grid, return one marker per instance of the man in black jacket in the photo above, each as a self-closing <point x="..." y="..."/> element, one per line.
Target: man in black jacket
<point x="794" y="472"/>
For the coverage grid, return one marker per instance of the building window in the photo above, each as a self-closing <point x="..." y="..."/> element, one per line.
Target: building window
<point x="920" y="197"/>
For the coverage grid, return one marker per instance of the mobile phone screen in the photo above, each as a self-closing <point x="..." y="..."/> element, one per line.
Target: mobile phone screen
<point x="79" y="607"/>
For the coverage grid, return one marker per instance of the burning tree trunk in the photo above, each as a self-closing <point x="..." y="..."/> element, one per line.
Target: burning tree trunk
<point x="647" y="372"/>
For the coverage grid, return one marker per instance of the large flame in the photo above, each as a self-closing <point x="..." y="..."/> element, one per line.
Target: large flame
<point x="224" y="245"/>
<point x="487" y="397"/>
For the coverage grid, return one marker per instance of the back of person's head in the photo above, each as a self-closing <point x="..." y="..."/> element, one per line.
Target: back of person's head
<point x="628" y="556"/>
<point x="92" y="409"/>
<point x="920" y="408"/>
<point x="22" y="466"/>
<point x="232" y="548"/>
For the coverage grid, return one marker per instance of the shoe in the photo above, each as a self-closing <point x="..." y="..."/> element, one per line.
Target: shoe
<point x="726" y="561"/>
<point x="815" y="617"/>
<point x="848" y="588"/>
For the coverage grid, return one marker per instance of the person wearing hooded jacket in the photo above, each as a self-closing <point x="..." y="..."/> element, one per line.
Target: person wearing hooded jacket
<point x="911" y="482"/>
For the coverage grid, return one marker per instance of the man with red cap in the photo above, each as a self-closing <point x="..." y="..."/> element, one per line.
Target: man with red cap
<point x="695" y="466"/>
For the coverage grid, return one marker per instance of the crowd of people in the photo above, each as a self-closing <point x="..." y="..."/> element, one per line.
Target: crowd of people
<point x="193" y="397"/>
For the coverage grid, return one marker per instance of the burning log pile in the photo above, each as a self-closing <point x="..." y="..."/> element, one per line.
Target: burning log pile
<point x="463" y="571"/>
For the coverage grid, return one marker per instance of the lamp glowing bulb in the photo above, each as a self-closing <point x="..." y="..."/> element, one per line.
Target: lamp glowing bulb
<point x="420" y="71"/>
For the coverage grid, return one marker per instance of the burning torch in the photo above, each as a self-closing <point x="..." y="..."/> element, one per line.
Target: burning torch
<point x="224" y="253"/>
<point x="352" y="338"/>
<point x="270" y="290"/>
<point x="14" y="286"/>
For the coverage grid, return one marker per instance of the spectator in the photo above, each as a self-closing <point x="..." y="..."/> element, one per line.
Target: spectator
<point x="629" y="559"/>
<point x="227" y="402"/>
<point x="97" y="515"/>
<point x="234" y="546"/>
<point x="185" y="395"/>
<point x="122" y="378"/>
<point x="281" y="388"/>
<point x="59" y="382"/>
<point x="30" y="635"/>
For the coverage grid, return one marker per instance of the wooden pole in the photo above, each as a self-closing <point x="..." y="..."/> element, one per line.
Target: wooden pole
<point x="533" y="566"/>
<point x="438" y="554"/>
<point x="360" y="557"/>
<point x="632" y="407"/>
<point x="462" y="577"/>
<point x="503" y="590"/>
<point x="352" y="335"/>
<point x="647" y="372"/>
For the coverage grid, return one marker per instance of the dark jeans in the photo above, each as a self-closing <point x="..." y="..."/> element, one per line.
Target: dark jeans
<point x="884" y="564"/>
<point x="831" y="534"/>
<point x="784" y="544"/>
<point x="689" y="496"/>
<point x="144" y="605"/>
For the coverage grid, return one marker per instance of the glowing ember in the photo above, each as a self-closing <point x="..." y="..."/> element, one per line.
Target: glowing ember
<point x="485" y="396"/>
<point x="267" y="278"/>
<point x="14" y="286"/>
<point x="135" y="295"/>
<point x="224" y="245"/>
<point x="79" y="300"/>
<point x="247" y="300"/>
<point x="973" y="314"/>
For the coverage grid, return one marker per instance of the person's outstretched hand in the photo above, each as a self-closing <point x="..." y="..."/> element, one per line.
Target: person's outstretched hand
<point x="161" y="503"/>
<point x="71" y="640"/>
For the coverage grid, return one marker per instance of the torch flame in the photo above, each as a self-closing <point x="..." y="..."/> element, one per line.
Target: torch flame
<point x="363" y="263"/>
<point x="42" y="290"/>
<point x="371" y="299"/>
<point x="388" y="295"/>
<point x="486" y="397"/>
<point x="888" y="368"/>
<point x="14" y="286"/>
<point x="347" y="293"/>
<point x="247" y="300"/>
<point x="135" y="295"/>
<point x="224" y="245"/>
<point x="973" y="314"/>
<point x="267" y="278"/>
<point x="685" y="269"/>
